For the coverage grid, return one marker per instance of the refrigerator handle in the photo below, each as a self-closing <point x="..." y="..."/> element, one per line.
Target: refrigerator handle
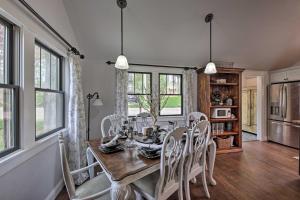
<point x="280" y="100"/>
<point x="284" y="101"/>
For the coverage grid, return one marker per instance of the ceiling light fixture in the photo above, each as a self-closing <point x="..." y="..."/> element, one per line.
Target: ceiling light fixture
<point x="210" y="67"/>
<point x="121" y="62"/>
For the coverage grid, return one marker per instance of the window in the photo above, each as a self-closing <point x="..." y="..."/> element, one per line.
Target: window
<point x="49" y="96"/>
<point x="139" y="87"/>
<point x="170" y="93"/>
<point x="9" y="132"/>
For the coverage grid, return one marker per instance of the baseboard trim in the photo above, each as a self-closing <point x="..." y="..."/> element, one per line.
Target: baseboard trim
<point x="56" y="190"/>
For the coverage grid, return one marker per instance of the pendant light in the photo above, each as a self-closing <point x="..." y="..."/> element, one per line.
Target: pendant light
<point x="210" y="67"/>
<point x="121" y="62"/>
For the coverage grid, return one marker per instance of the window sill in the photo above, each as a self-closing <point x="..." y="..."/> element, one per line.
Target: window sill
<point x="13" y="160"/>
<point x="170" y="118"/>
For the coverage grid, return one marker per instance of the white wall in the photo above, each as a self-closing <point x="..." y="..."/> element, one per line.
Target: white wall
<point x="33" y="172"/>
<point x="99" y="77"/>
<point x="250" y="82"/>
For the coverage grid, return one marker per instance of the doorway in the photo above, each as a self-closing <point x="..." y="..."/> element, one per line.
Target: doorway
<point x="249" y="109"/>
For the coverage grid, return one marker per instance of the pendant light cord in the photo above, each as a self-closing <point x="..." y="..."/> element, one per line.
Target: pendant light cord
<point x="210" y="46"/>
<point x="121" y="31"/>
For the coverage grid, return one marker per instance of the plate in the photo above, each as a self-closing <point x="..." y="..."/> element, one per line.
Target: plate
<point x="111" y="150"/>
<point x="149" y="150"/>
<point x="149" y="156"/>
<point x="111" y="146"/>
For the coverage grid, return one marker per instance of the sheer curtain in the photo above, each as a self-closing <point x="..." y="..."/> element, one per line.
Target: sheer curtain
<point x="121" y="104"/>
<point x="76" y="133"/>
<point x="189" y="85"/>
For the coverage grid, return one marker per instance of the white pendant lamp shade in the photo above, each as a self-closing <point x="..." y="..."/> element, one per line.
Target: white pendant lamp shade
<point x="210" y="68"/>
<point x="98" y="102"/>
<point x="122" y="62"/>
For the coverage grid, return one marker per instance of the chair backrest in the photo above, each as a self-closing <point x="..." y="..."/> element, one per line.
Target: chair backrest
<point x="173" y="153"/>
<point x="199" y="138"/>
<point x="142" y="121"/>
<point x="69" y="182"/>
<point x="195" y="116"/>
<point x="115" y="124"/>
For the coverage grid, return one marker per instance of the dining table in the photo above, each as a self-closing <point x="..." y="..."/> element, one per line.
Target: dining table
<point x="125" y="167"/>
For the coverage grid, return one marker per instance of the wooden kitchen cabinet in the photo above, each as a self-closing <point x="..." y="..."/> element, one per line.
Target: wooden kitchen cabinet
<point x="208" y="86"/>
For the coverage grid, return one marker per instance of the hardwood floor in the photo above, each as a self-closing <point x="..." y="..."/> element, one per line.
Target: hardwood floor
<point x="264" y="171"/>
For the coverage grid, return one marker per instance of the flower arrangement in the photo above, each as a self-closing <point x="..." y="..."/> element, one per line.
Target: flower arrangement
<point x="152" y="104"/>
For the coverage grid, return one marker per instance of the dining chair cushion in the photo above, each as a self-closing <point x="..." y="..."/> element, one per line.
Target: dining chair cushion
<point x="148" y="183"/>
<point x="93" y="186"/>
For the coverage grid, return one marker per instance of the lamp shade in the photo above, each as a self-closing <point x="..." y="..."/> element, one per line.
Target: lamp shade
<point x="122" y="62"/>
<point x="98" y="102"/>
<point x="210" y="68"/>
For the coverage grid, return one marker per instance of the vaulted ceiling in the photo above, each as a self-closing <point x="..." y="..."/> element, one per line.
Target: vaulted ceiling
<point x="256" y="34"/>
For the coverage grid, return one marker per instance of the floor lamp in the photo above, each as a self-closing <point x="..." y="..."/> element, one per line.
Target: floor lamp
<point x="97" y="102"/>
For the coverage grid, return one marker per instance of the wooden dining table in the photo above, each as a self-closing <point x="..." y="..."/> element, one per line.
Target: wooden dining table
<point x="125" y="167"/>
<point x="122" y="168"/>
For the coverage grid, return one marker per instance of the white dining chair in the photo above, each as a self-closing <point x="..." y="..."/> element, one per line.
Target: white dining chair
<point x="95" y="188"/>
<point x="196" y="159"/>
<point x="212" y="147"/>
<point x="195" y="116"/>
<point x="162" y="184"/>
<point x="115" y="121"/>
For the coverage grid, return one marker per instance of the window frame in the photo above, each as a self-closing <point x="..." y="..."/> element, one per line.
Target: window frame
<point x="12" y="84"/>
<point x="59" y="91"/>
<point x="139" y="72"/>
<point x="181" y="94"/>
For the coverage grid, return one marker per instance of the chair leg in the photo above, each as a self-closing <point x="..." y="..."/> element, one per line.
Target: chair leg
<point x="180" y="195"/>
<point x="205" y="184"/>
<point x="130" y="195"/>
<point x="187" y="189"/>
<point x="211" y="162"/>
<point x="90" y="160"/>
<point x="194" y="180"/>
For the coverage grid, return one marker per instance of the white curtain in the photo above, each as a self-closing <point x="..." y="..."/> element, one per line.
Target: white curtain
<point x="189" y="85"/>
<point x="121" y="104"/>
<point x="76" y="133"/>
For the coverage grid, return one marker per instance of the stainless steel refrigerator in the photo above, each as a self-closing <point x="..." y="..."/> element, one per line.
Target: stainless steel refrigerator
<point x="284" y="113"/>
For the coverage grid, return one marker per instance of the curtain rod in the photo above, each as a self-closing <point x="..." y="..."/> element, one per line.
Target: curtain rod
<point x="39" y="17"/>
<point x="150" y="65"/>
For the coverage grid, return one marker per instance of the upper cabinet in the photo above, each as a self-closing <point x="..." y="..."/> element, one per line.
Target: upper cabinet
<point x="293" y="75"/>
<point x="285" y="75"/>
<point x="276" y="77"/>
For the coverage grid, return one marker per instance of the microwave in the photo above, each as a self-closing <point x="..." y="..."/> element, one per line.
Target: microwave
<point x="221" y="113"/>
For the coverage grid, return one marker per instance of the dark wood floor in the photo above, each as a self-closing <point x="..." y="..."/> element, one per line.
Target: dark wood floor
<point x="264" y="171"/>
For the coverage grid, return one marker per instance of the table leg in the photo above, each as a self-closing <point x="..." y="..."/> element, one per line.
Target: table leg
<point x="130" y="195"/>
<point x="212" y="150"/>
<point x="118" y="192"/>
<point x="90" y="160"/>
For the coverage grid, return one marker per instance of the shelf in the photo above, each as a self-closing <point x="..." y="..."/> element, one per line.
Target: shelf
<point x="224" y="106"/>
<point x="223" y="119"/>
<point x="224" y="84"/>
<point x="231" y="150"/>
<point x="227" y="133"/>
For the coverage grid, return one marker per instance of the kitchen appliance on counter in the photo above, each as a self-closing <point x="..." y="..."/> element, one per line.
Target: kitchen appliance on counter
<point x="221" y="113"/>
<point x="284" y="113"/>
